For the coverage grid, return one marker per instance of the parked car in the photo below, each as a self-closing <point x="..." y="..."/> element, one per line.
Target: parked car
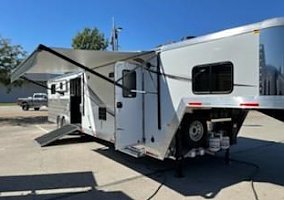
<point x="36" y="101"/>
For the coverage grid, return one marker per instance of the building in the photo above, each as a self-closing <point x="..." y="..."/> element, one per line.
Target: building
<point x="26" y="90"/>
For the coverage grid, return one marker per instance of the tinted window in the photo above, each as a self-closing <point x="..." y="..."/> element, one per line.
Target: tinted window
<point x="40" y="96"/>
<point x="102" y="113"/>
<point x="213" y="78"/>
<point x="201" y="79"/>
<point x="75" y="87"/>
<point x="129" y="82"/>
<point x="61" y="86"/>
<point x="53" y="89"/>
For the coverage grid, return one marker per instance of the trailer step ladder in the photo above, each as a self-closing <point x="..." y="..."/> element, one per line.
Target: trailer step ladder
<point x="134" y="150"/>
<point x="56" y="134"/>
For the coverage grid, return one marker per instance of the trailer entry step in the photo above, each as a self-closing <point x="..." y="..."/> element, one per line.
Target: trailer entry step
<point x="56" y="134"/>
<point x="134" y="150"/>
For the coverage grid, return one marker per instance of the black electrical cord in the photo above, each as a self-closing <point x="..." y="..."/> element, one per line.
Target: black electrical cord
<point x="150" y="174"/>
<point x="252" y="176"/>
<point x="158" y="188"/>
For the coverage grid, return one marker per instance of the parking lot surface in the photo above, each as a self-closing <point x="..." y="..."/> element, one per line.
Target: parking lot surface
<point x="77" y="167"/>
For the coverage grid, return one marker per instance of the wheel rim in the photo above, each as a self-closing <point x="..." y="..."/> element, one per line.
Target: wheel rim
<point x="196" y="131"/>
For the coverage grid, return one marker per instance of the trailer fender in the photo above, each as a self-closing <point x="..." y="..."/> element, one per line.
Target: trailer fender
<point x="169" y="131"/>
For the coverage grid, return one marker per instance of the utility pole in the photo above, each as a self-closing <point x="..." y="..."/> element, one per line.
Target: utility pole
<point x="114" y="36"/>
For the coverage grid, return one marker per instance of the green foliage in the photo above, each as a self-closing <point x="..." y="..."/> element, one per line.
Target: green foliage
<point x="10" y="57"/>
<point x="90" y="39"/>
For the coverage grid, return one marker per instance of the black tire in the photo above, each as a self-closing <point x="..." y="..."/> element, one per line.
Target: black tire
<point x="25" y="107"/>
<point x="195" y="133"/>
<point x="36" y="109"/>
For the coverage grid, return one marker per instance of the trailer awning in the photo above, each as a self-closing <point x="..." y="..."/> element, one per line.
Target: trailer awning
<point x="46" y="60"/>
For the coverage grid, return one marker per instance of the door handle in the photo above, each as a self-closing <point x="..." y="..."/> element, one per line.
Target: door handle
<point x="119" y="104"/>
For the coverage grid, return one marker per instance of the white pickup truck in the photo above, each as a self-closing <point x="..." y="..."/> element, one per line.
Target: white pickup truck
<point x="36" y="101"/>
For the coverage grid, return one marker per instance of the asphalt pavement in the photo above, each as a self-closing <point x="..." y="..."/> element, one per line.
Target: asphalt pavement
<point x="77" y="167"/>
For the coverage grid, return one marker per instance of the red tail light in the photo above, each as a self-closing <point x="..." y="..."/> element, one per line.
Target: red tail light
<point x="195" y="103"/>
<point x="249" y="104"/>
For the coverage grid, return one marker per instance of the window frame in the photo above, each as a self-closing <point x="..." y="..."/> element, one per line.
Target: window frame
<point x="210" y="66"/>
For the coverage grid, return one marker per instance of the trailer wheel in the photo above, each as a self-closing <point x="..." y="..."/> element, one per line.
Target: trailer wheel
<point x="25" y="106"/>
<point x="196" y="133"/>
<point x="36" y="109"/>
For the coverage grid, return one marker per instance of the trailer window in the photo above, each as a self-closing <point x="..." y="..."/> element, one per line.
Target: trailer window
<point x="129" y="82"/>
<point x="53" y="89"/>
<point x="75" y="87"/>
<point x="213" y="78"/>
<point x="102" y="113"/>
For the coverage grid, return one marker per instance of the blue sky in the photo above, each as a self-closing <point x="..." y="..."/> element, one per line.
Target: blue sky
<point x="146" y="23"/>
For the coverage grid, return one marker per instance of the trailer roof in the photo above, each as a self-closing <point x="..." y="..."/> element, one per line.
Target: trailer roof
<point x="43" y="61"/>
<point x="225" y="33"/>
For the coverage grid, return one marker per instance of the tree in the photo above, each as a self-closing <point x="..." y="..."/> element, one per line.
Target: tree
<point x="10" y="57"/>
<point x="90" y="39"/>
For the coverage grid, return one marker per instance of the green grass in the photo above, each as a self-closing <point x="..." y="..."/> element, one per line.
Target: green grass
<point x="8" y="104"/>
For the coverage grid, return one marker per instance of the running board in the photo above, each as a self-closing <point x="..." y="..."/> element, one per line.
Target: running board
<point x="56" y="134"/>
<point x="134" y="150"/>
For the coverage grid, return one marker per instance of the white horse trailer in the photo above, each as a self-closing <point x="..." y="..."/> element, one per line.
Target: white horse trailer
<point x="182" y="99"/>
<point x="64" y="99"/>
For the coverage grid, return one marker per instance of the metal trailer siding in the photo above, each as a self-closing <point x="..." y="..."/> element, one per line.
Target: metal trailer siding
<point x="58" y="107"/>
<point x="271" y="61"/>
<point x="241" y="50"/>
<point x="98" y="101"/>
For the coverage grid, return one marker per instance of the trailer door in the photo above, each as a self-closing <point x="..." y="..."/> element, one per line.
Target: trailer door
<point x="75" y="100"/>
<point x="128" y="105"/>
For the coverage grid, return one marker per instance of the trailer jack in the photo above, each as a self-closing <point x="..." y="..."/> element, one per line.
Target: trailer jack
<point x="179" y="157"/>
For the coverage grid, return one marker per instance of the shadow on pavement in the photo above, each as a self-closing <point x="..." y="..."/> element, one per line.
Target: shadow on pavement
<point x="207" y="176"/>
<point x="76" y="138"/>
<point x="23" y="120"/>
<point x="54" y="187"/>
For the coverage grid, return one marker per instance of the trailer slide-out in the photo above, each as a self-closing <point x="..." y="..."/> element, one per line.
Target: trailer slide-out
<point x="181" y="99"/>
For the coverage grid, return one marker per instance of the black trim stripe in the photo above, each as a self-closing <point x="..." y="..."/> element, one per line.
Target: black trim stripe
<point x="244" y="85"/>
<point x="180" y="78"/>
<point x="159" y="92"/>
<point x="98" y="101"/>
<point x="34" y="82"/>
<point x="45" y="48"/>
